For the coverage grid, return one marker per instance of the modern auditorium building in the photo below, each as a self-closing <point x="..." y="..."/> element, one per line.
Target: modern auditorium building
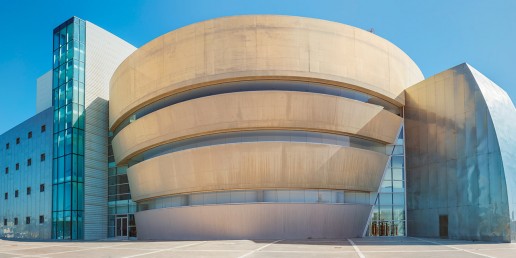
<point x="257" y="127"/>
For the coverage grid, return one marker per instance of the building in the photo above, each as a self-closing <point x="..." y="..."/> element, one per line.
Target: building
<point x="259" y="127"/>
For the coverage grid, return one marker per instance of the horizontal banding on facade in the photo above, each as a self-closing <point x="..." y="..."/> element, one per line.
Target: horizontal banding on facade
<point x="256" y="85"/>
<point x="257" y="166"/>
<point x="263" y="110"/>
<point x="274" y="47"/>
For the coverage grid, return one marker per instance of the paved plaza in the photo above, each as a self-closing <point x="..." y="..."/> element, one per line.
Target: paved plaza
<point x="360" y="247"/>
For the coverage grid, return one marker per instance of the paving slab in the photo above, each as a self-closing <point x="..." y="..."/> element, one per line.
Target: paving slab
<point x="357" y="247"/>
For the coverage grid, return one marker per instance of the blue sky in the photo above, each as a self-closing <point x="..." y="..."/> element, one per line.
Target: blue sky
<point x="436" y="34"/>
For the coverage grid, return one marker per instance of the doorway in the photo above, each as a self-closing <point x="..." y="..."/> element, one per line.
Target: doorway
<point x="121" y="227"/>
<point x="443" y="226"/>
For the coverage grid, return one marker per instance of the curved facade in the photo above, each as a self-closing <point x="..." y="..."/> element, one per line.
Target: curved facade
<point x="460" y="136"/>
<point x="226" y="121"/>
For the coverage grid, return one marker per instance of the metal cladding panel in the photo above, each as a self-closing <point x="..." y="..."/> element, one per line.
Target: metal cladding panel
<point x="44" y="92"/>
<point x="39" y="172"/>
<point x="460" y="152"/>
<point x="263" y="110"/>
<point x="104" y="52"/>
<point x="260" y="46"/>
<point x="253" y="221"/>
<point x="503" y="116"/>
<point x="257" y="165"/>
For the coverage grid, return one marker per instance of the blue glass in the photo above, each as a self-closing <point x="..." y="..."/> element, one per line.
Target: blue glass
<point x="390" y="201"/>
<point x="68" y="170"/>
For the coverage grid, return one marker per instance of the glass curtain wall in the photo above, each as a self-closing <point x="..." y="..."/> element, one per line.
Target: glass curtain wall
<point x="388" y="215"/>
<point x="68" y="102"/>
<point x="121" y="208"/>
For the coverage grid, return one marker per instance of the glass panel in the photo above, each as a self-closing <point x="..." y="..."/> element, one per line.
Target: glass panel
<point x="238" y="197"/>
<point x="283" y="195"/>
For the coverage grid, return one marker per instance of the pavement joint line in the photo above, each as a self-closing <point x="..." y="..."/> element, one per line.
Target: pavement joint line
<point x="168" y="249"/>
<point x="34" y="247"/>
<point x="260" y="248"/>
<point x="357" y="250"/>
<point x="72" y="251"/>
<point x="453" y="247"/>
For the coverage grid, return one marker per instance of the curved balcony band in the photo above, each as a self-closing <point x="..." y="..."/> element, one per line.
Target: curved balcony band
<point x="260" y="136"/>
<point x="275" y="165"/>
<point x="263" y="110"/>
<point x="260" y="85"/>
<point x="260" y="47"/>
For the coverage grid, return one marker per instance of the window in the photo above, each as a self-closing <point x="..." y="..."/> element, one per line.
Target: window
<point x="16" y="194"/>
<point x="42" y="187"/>
<point x="17" y="166"/>
<point x="29" y="162"/>
<point x="43" y="128"/>
<point x="6" y="196"/>
<point x="7" y="170"/>
<point x="5" y="222"/>
<point x="18" y="140"/>
<point x="27" y="220"/>
<point x="28" y="190"/>
<point x="42" y="157"/>
<point x="7" y="146"/>
<point x="29" y="135"/>
<point x="41" y="219"/>
<point x="15" y="221"/>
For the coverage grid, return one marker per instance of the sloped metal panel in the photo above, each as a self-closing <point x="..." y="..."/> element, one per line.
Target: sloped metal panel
<point x="456" y="162"/>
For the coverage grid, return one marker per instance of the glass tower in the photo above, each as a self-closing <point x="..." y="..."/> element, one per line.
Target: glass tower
<point x="68" y="103"/>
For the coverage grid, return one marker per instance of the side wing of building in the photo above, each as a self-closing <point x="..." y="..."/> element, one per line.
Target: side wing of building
<point x="460" y="171"/>
<point x="26" y="178"/>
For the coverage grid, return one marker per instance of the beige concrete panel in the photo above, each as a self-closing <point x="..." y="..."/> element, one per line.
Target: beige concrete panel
<point x="254" y="221"/>
<point x="260" y="47"/>
<point x="260" y="165"/>
<point x="256" y="111"/>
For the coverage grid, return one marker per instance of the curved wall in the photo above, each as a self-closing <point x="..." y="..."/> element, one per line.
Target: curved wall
<point x="260" y="47"/>
<point x="257" y="166"/>
<point x="254" y="221"/>
<point x="460" y="136"/>
<point x="175" y="90"/>
<point x="254" y="111"/>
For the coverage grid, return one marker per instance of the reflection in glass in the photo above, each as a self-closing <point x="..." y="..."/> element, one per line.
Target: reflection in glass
<point x="258" y="196"/>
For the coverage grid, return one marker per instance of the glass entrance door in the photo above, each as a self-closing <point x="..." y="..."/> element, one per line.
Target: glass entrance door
<point x="121" y="227"/>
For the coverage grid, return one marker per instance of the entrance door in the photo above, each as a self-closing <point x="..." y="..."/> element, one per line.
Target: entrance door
<point x="443" y="226"/>
<point x="121" y="227"/>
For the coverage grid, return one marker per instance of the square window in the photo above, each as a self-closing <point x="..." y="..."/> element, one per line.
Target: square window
<point x="29" y="162"/>
<point x="7" y="146"/>
<point x="15" y="221"/>
<point x="7" y="170"/>
<point x="28" y="190"/>
<point x="27" y="220"/>
<point x="17" y="166"/>
<point x="42" y="187"/>
<point x="42" y="157"/>
<point x="18" y="140"/>
<point x="43" y="128"/>
<point x="29" y="135"/>
<point x="41" y="219"/>
<point x="16" y="194"/>
<point x="5" y="222"/>
<point x="6" y="196"/>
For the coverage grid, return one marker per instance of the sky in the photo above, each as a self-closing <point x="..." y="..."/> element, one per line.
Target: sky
<point x="436" y="34"/>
